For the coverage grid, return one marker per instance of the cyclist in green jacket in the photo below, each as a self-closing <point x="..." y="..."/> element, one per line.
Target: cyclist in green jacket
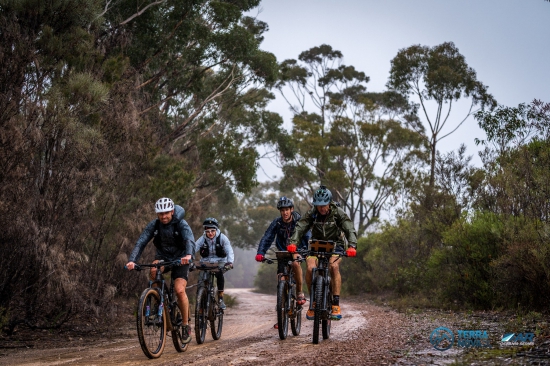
<point x="327" y="221"/>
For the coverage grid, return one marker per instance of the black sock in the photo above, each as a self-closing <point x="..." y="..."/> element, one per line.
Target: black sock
<point x="336" y="300"/>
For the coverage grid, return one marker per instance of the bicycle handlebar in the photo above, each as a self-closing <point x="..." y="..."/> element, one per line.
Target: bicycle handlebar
<point x="302" y="253"/>
<point x="141" y="266"/>
<point x="203" y="267"/>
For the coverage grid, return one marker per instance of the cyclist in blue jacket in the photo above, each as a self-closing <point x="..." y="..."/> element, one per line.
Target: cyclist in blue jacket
<point x="281" y="230"/>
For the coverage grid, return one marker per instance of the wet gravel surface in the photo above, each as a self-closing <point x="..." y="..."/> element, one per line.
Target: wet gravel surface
<point x="368" y="334"/>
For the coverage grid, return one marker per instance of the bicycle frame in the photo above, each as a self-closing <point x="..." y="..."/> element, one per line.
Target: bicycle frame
<point x="207" y="310"/>
<point x="287" y="308"/>
<point x="321" y="290"/>
<point x="323" y="271"/>
<point x="206" y="280"/>
<point x="161" y="288"/>
<point x="288" y="275"/>
<point x="152" y="320"/>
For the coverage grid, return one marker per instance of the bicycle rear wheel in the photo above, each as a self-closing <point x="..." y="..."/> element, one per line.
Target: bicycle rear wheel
<point x="325" y="325"/>
<point x="282" y="310"/>
<point x="151" y="328"/>
<point x="201" y="315"/>
<point x="318" y="285"/>
<point x="177" y="330"/>
<point x="216" y="319"/>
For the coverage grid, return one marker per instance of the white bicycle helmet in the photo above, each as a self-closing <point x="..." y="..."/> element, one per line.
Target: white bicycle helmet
<point x="164" y="205"/>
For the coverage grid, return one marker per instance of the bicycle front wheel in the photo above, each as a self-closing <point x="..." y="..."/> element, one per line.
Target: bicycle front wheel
<point x="216" y="319"/>
<point x="201" y="315"/>
<point x="151" y="328"/>
<point x="325" y="325"/>
<point x="296" y="319"/>
<point x="318" y="285"/>
<point x="282" y="309"/>
<point x="177" y="330"/>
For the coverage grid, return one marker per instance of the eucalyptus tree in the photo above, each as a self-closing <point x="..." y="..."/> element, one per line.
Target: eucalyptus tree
<point x="438" y="74"/>
<point x="187" y="54"/>
<point x="353" y="141"/>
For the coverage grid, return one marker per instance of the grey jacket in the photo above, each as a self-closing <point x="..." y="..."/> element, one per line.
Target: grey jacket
<point x="165" y="251"/>
<point x="212" y="258"/>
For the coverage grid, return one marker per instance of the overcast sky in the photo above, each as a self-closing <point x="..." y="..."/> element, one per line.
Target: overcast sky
<point x="507" y="42"/>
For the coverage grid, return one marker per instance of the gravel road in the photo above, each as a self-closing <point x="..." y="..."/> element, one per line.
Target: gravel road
<point x="368" y="334"/>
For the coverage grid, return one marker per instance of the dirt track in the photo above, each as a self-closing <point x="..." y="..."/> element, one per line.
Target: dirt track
<point x="368" y="334"/>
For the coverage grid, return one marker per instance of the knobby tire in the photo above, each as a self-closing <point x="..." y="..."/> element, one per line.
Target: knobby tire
<point x="318" y="304"/>
<point x="282" y="310"/>
<point x="325" y="325"/>
<point x="201" y="315"/>
<point x="216" y="318"/>
<point x="177" y="330"/>
<point x="151" y="329"/>
<point x="296" y="319"/>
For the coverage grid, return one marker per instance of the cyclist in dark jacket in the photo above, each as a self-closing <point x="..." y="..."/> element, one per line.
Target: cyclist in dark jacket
<point x="173" y="240"/>
<point x="327" y="221"/>
<point x="281" y="230"/>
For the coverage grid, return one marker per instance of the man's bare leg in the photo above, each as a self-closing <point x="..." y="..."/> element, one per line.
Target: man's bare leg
<point x="183" y="301"/>
<point x="311" y="263"/>
<point x="297" y="276"/>
<point x="334" y="266"/>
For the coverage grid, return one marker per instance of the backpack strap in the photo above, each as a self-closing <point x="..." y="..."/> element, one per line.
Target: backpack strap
<point x="220" y="251"/>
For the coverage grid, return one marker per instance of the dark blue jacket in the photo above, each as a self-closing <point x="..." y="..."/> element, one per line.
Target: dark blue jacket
<point x="281" y="232"/>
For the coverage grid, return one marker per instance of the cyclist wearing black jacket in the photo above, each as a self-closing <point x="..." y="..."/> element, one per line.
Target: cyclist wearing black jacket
<point x="173" y="240"/>
<point x="281" y="230"/>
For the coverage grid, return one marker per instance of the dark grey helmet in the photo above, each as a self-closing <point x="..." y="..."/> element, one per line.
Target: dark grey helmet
<point x="284" y="202"/>
<point x="322" y="196"/>
<point x="211" y="222"/>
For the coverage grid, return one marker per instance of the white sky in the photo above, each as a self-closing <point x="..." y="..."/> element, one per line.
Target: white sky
<point x="507" y="42"/>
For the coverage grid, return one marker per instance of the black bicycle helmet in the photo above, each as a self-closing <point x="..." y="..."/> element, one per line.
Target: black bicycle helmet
<point x="284" y="202"/>
<point x="211" y="222"/>
<point x="322" y="197"/>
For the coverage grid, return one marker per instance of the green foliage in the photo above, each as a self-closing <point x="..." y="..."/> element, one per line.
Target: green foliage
<point x="438" y="74"/>
<point x="179" y="185"/>
<point x="354" y="142"/>
<point x="461" y="267"/>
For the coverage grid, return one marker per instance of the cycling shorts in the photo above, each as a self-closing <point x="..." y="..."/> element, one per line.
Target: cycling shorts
<point x="339" y="249"/>
<point x="181" y="271"/>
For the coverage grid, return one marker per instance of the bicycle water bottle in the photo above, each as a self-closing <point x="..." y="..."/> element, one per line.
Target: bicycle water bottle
<point x="161" y="307"/>
<point x="147" y="310"/>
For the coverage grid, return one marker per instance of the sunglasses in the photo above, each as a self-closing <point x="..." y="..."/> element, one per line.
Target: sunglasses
<point x="208" y="231"/>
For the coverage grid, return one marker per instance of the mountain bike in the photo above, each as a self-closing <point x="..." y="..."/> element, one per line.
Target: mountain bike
<point x="152" y="323"/>
<point x="321" y="292"/>
<point x="207" y="309"/>
<point x="287" y="307"/>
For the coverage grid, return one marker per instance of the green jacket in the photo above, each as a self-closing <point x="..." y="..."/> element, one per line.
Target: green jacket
<point x="336" y="223"/>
